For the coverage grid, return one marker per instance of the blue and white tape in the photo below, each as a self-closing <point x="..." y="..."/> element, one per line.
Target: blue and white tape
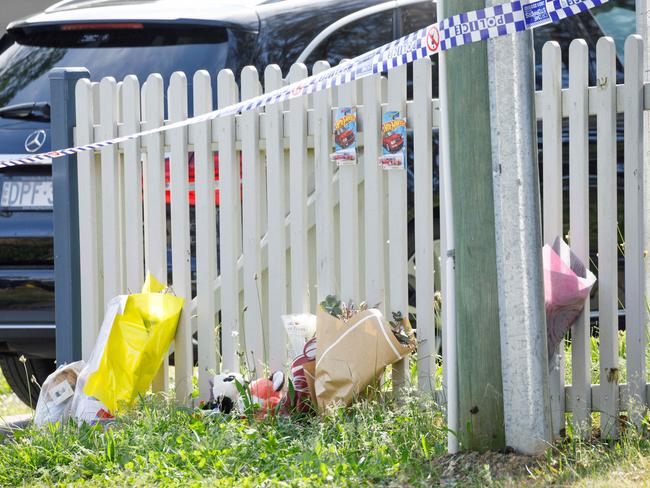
<point x="479" y="25"/>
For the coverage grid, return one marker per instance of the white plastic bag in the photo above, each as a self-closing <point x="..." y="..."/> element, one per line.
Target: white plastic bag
<point x="89" y="409"/>
<point x="55" y="401"/>
<point x="300" y="329"/>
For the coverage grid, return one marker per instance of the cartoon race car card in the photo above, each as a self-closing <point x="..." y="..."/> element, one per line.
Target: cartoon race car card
<point x="345" y="136"/>
<point x="393" y="141"/>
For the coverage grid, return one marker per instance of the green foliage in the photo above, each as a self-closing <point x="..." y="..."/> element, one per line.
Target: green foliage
<point x="4" y="387"/>
<point x="579" y="462"/>
<point x="370" y="443"/>
<point x="594" y="345"/>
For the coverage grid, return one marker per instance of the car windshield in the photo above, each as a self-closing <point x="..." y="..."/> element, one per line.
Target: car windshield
<point x="26" y="61"/>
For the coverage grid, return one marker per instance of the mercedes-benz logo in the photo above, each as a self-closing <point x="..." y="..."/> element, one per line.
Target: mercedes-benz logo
<point x="35" y="141"/>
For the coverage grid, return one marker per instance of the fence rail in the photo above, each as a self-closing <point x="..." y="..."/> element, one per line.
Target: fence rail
<point x="295" y="228"/>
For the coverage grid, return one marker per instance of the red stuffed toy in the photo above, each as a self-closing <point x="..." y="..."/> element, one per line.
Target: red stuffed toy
<point x="267" y="393"/>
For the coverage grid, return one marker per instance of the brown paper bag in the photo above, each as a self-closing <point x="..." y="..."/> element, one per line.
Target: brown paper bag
<point x="310" y="376"/>
<point x="351" y="354"/>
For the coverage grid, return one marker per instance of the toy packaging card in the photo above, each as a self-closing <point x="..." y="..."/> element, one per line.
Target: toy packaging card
<point x="393" y="141"/>
<point x="345" y="136"/>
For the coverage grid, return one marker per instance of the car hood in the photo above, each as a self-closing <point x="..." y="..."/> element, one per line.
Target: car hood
<point x="240" y="14"/>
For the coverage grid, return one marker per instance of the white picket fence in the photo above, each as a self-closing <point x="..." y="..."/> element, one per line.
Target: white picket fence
<point x="301" y="228"/>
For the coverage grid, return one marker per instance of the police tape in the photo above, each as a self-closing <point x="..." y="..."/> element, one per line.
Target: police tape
<point x="466" y="28"/>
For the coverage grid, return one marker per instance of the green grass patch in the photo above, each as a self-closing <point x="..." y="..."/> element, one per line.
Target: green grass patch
<point x="370" y="443"/>
<point x="576" y="462"/>
<point x="373" y="443"/>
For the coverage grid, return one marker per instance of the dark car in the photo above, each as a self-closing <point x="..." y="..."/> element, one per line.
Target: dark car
<point x="116" y="38"/>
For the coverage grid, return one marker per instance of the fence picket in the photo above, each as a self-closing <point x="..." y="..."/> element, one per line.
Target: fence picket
<point x="251" y="217"/>
<point x="423" y="176"/>
<point x="229" y="223"/>
<point x="635" y="310"/>
<point x="90" y="243"/>
<point x="349" y="213"/>
<point x="133" y="235"/>
<point x="374" y="193"/>
<point x="206" y="236"/>
<point x="277" y="245"/>
<point x="607" y="235"/>
<point x="110" y="190"/>
<point x="180" y="230"/>
<point x="579" y="228"/>
<point x="325" y="254"/>
<point x="298" y="195"/>
<point x="154" y="198"/>
<point x="552" y="198"/>
<point x="397" y="225"/>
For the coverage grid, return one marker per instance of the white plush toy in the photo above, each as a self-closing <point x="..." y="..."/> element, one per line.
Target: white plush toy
<point x="225" y="394"/>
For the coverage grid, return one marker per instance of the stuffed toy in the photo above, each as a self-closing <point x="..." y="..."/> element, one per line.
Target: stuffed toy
<point x="225" y="395"/>
<point x="267" y="392"/>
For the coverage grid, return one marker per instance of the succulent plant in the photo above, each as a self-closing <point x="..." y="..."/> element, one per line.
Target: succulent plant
<point x="342" y="310"/>
<point x="398" y="329"/>
<point x="332" y="305"/>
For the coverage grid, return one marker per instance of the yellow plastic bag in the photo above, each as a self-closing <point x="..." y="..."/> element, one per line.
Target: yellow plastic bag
<point x="136" y="345"/>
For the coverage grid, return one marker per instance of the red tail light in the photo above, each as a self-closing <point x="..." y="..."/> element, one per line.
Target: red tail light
<point x="191" y="180"/>
<point x="100" y="26"/>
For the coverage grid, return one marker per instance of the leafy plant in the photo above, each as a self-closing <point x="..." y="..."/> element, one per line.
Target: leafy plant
<point x="399" y="329"/>
<point x="342" y="310"/>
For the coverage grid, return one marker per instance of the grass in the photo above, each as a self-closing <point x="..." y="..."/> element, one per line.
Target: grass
<point x="371" y="443"/>
<point x="378" y="443"/>
<point x="9" y="403"/>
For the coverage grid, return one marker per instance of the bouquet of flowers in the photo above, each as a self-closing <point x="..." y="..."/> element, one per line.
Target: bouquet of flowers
<point x="355" y="344"/>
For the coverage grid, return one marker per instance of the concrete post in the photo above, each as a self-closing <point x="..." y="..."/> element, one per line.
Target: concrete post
<point x="517" y="215"/>
<point x="66" y="216"/>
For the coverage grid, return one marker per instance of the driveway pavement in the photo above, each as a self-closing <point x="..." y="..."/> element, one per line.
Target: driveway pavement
<point x="12" y="422"/>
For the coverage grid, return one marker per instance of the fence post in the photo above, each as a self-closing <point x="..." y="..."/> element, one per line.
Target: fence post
<point x="519" y="238"/>
<point x="643" y="29"/>
<point x="480" y="391"/>
<point x="66" y="215"/>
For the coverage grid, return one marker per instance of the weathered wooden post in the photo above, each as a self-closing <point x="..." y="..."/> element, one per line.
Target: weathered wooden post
<point x="480" y="391"/>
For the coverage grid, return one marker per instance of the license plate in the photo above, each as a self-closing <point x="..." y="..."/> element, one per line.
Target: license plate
<point x="26" y="193"/>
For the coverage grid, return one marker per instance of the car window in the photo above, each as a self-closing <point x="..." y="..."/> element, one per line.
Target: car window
<point x="582" y="26"/>
<point x="563" y="34"/>
<point x="617" y="19"/>
<point x="355" y="38"/>
<point x="375" y="30"/>
<point x="416" y="16"/>
<point x="25" y="62"/>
